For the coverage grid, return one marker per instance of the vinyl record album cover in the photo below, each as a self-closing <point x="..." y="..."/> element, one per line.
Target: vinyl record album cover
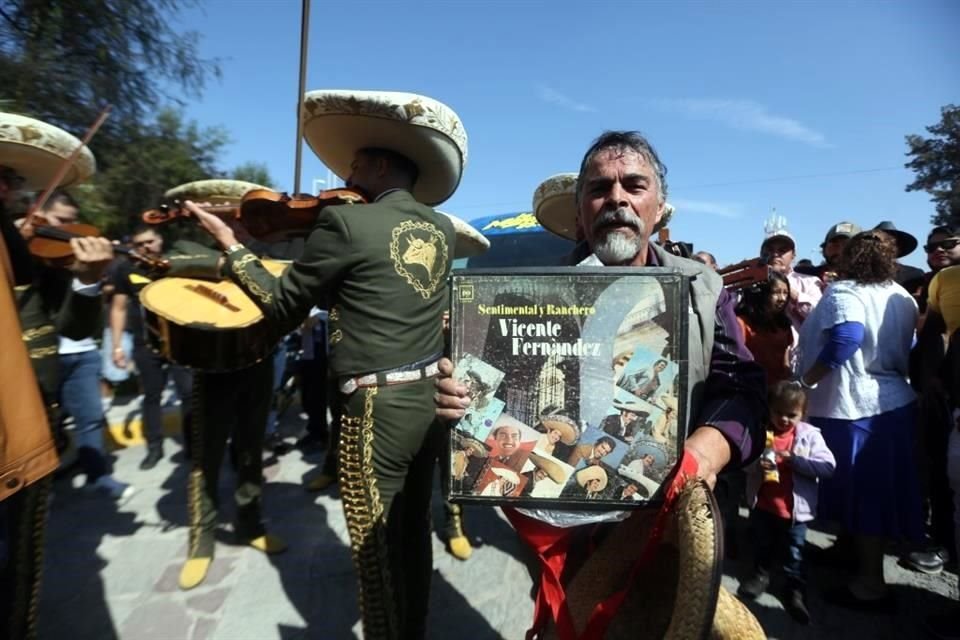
<point x="578" y="384"/>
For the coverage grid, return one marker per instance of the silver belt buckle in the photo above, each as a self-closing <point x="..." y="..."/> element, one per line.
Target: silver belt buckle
<point x="348" y="386"/>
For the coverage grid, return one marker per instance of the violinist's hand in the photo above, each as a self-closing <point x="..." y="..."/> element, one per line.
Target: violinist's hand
<point x="213" y="225"/>
<point x="451" y="396"/>
<point x="92" y="256"/>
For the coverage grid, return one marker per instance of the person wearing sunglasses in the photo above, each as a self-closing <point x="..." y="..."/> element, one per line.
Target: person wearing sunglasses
<point x="943" y="248"/>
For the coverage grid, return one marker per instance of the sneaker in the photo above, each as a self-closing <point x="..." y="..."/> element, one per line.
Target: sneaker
<point x="930" y="562"/>
<point x="153" y="457"/>
<point x="119" y="491"/>
<point x="753" y="586"/>
<point x="796" y="605"/>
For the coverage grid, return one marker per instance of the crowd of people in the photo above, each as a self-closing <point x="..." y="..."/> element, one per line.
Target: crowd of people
<point x="858" y="355"/>
<point x="811" y="386"/>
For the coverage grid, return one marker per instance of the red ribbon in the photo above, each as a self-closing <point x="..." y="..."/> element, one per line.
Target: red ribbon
<point x="551" y="544"/>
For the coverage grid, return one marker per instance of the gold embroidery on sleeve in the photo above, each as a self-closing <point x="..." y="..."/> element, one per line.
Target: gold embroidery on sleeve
<point x="239" y="268"/>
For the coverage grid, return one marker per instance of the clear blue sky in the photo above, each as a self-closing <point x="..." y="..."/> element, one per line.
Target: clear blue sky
<point x="801" y="106"/>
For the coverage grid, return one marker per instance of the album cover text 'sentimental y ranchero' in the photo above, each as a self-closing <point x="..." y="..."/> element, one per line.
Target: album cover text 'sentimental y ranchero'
<point x="578" y="383"/>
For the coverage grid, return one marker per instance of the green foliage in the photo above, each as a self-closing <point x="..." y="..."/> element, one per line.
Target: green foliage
<point x="61" y="61"/>
<point x="255" y="172"/>
<point x="936" y="162"/>
<point x="160" y="155"/>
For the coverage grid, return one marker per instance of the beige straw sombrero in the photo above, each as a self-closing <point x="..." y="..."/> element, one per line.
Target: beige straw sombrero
<point x="36" y="150"/>
<point x="569" y="432"/>
<point x="336" y="124"/>
<point x="214" y="191"/>
<point x="593" y="472"/>
<point x="551" y="466"/>
<point x="678" y="594"/>
<point x="470" y="242"/>
<point x="555" y="205"/>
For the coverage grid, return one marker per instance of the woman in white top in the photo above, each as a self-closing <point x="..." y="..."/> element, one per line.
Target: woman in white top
<point x="854" y="349"/>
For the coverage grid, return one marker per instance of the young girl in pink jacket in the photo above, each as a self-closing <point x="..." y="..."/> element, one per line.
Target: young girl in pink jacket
<point x="782" y="489"/>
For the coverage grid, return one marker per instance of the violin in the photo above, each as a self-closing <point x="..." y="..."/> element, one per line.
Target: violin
<point x="745" y="274"/>
<point x="51" y="244"/>
<point x="267" y="214"/>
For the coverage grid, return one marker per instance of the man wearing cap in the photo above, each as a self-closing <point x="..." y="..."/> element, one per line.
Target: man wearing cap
<point x="384" y="266"/>
<point x="620" y="198"/>
<point x="778" y="250"/>
<point x="50" y="303"/>
<point x="832" y="249"/>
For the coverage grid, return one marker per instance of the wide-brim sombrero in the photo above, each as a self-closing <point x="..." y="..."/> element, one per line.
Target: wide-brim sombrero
<point x="551" y="466"/>
<point x="338" y="123"/>
<point x="593" y="472"/>
<point x="555" y="206"/>
<point x="470" y="445"/>
<point x="214" y="191"/>
<point x="629" y="405"/>
<point x="36" y="151"/>
<point x="677" y="595"/>
<point x="657" y="450"/>
<point x="470" y="242"/>
<point x="569" y="432"/>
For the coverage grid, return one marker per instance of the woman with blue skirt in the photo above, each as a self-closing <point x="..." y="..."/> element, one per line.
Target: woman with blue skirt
<point x="854" y="349"/>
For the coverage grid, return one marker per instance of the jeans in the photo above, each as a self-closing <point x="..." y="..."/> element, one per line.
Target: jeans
<point x="153" y="372"/>
<point x="80" y="397"/>
<point x="778" y="541"/>
<point x="111" y="372"/>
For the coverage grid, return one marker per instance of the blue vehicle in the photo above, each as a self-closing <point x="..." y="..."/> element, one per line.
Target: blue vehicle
<point x="516" y="240"/>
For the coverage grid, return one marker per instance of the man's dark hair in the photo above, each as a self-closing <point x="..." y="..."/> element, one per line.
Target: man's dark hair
<point x="399" y="162"/>
<point x="942" y="230"/>
<point x="626" y="141"/>
<point x="753" y="305"/>
<point x="59" y="196"/>
<point x="660" y="361"/>
<point x="608" y="440"/>
<point x="144" y="228"/>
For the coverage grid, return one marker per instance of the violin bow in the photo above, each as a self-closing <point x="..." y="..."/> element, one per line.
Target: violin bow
<point x="69" y="162"/>
<point x="304" y="33"/>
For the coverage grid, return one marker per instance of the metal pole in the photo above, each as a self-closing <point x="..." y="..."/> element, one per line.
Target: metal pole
<point x="304" y="32"/>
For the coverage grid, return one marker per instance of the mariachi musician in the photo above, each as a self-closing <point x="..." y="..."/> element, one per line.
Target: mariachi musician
<point x="384" y="267"/>
<point x="227" y="405"/>
<point x="49" y="303"/>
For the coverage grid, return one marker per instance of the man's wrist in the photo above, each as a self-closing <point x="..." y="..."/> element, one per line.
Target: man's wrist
<point x="233" y="248"/>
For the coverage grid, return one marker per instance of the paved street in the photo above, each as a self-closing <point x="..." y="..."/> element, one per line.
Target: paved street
<point x="112" y="571"/>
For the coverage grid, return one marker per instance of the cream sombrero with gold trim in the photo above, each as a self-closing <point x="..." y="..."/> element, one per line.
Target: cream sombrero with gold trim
<point x="592" y="472"/>
<point x="555" y="205"/>
<point x="36" y="150"/>
<point x="470" y="242"/>
<point x="338" y="123"/>
<point x="214" y="191"/>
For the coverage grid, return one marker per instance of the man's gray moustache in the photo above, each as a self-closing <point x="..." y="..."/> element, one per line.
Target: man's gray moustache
<point x="615" y="217"/>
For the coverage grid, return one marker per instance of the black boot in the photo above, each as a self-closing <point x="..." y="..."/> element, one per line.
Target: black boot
<point x="754" y="585"/>
<point x="154" y="455"/>
<point x="795" y="603"/>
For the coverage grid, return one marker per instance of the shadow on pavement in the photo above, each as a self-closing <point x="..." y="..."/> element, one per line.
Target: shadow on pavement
<point x="72" y="584"/>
